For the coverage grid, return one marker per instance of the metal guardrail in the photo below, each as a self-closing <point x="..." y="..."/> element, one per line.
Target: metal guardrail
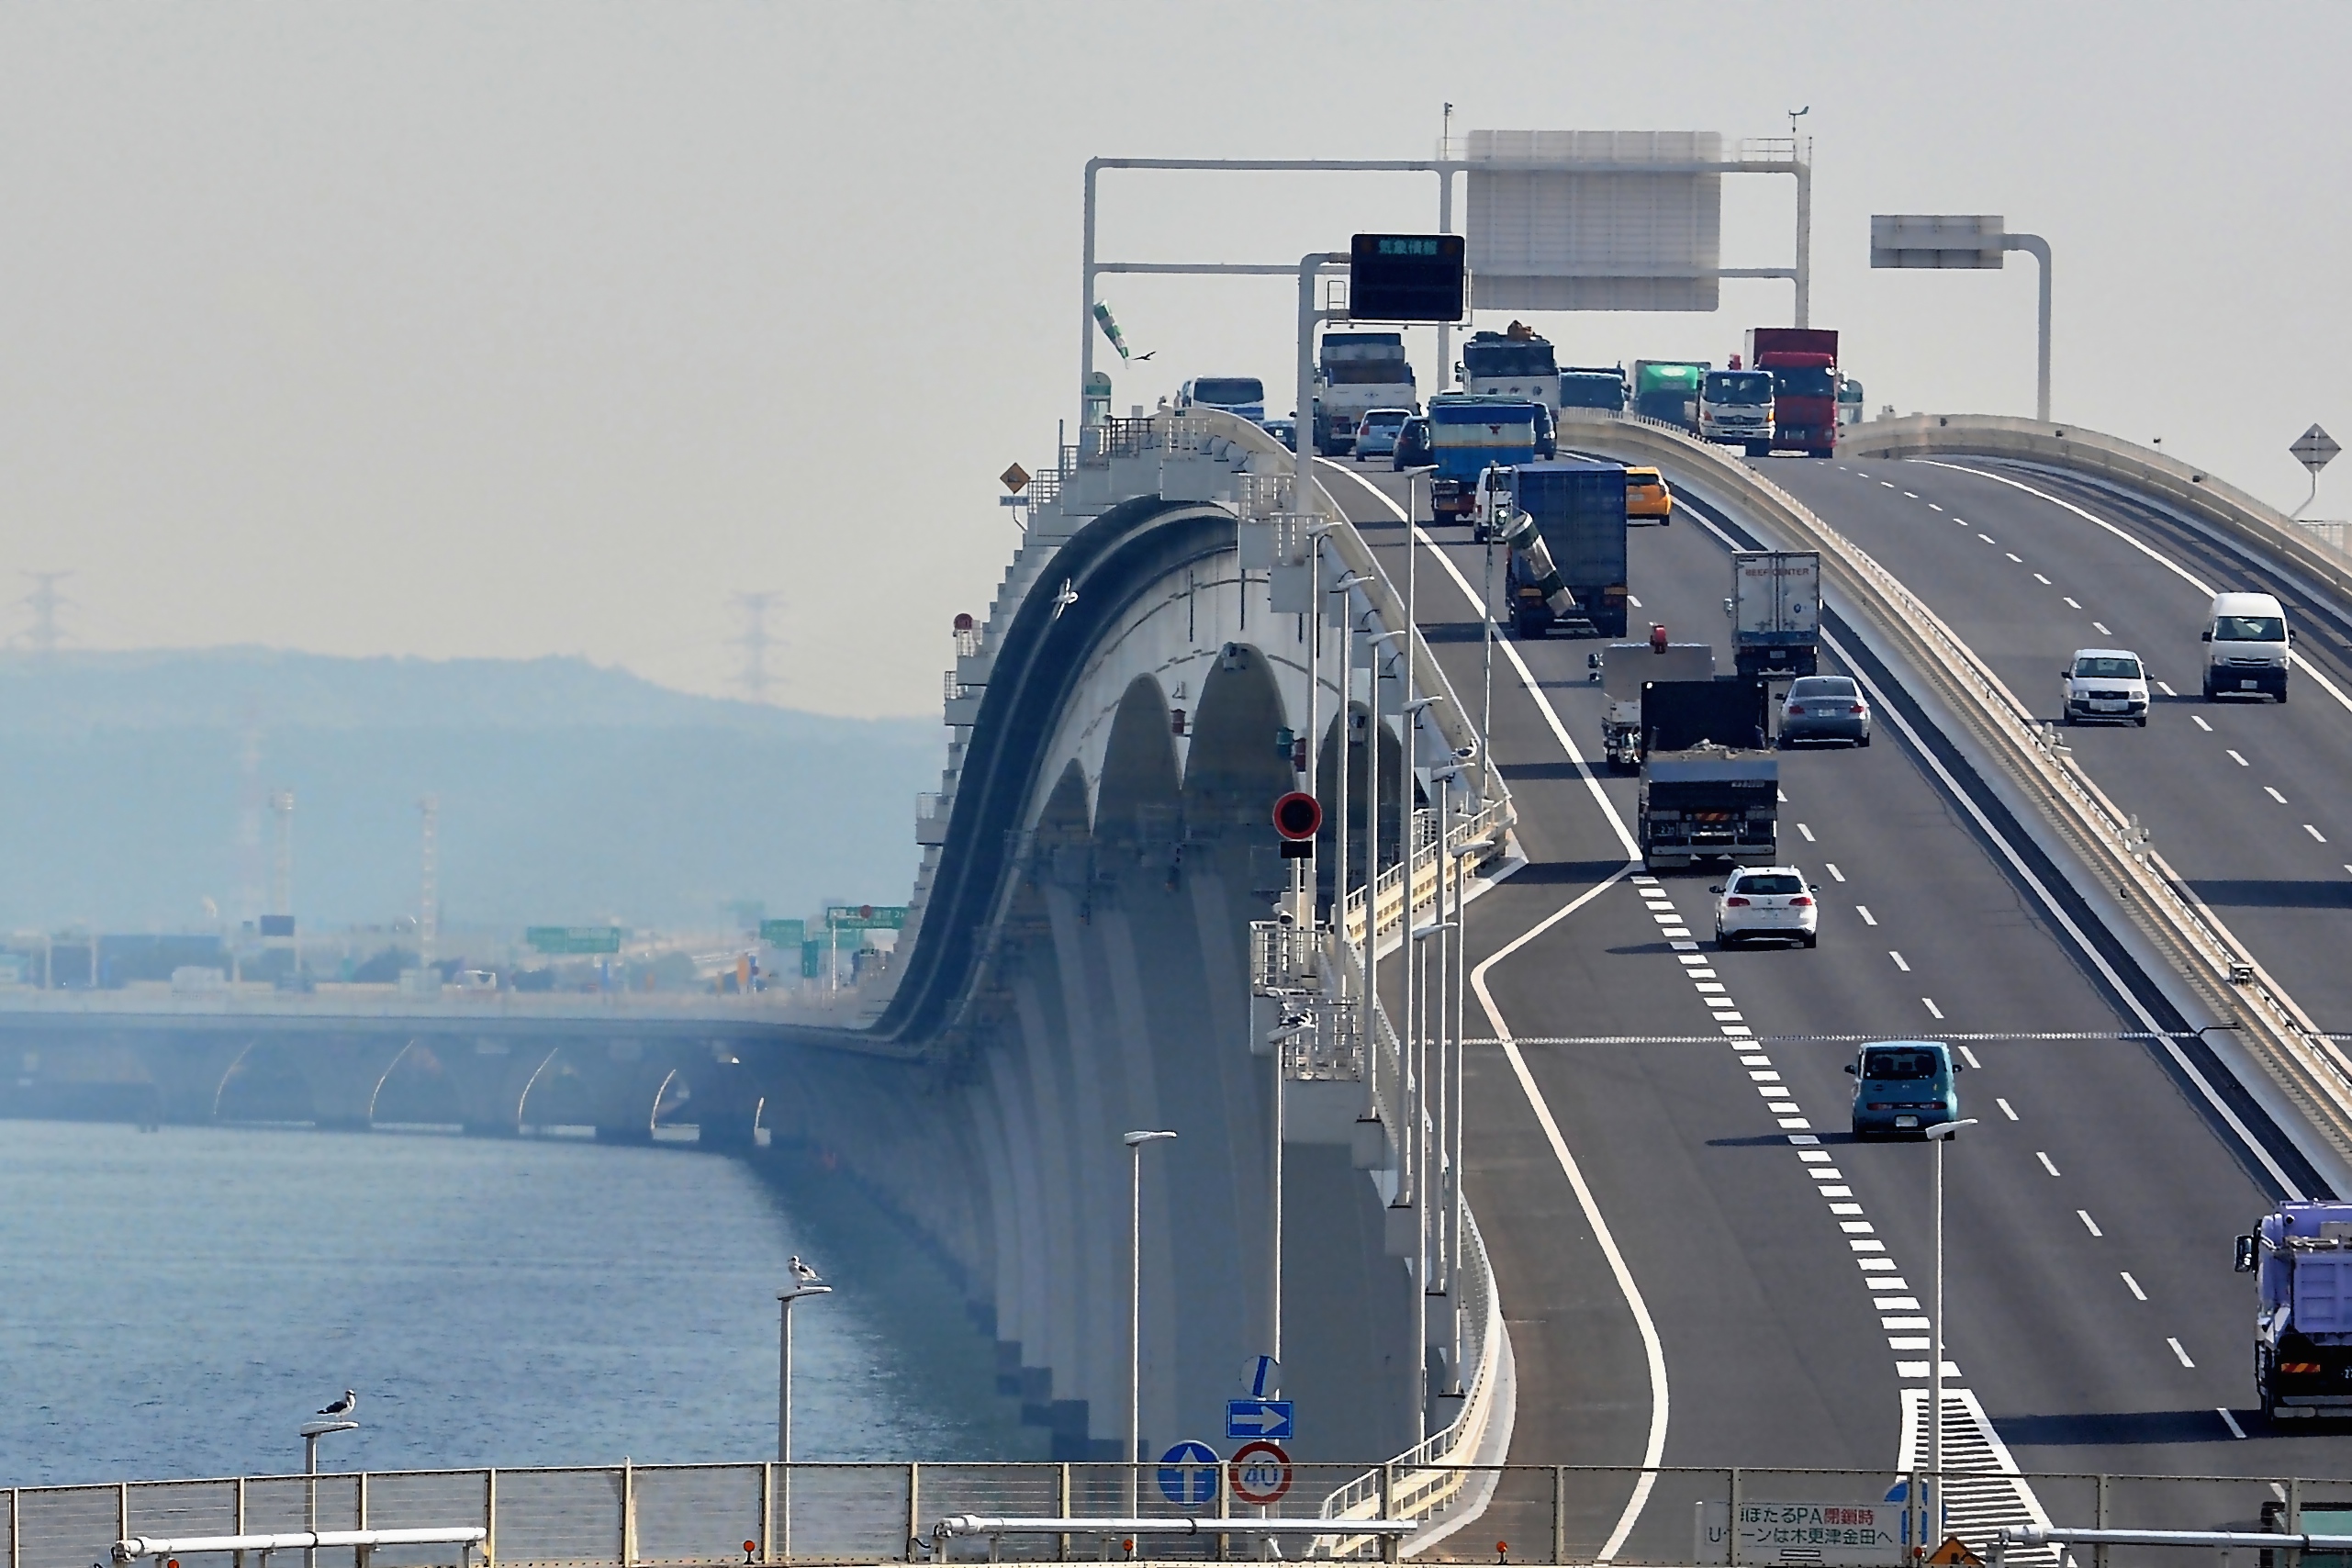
<point x="1388" y="896"/>
<point x="2312" y="1068"/>
<point x="628" y="1515"/>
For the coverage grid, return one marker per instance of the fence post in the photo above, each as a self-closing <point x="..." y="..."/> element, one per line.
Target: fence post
<point x="2293" y="1558"/>
<point x="1731" y="1538"/>
<point x="489" y="1517"/>
<point x="366" y="1554"/>
<point x="122" y="1510"/>
<point x="768" y="1510"/>
<point x="2099" y="1553"/>
<point x="1061" y="1542"/>
<point x="237" y="1559"/>
<point x="1224" y="1511"/>
<point x="628" y="1514"/>
<point x="1559" y="1513"/>
<point x="1390" y="1547"/>
<point x="913" y="1506"/>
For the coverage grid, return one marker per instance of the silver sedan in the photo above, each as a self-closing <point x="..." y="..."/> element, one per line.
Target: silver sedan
<point x="1824" y="707"/>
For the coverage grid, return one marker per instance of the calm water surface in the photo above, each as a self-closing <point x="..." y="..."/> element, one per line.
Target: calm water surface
<point x="176" y="1303"/>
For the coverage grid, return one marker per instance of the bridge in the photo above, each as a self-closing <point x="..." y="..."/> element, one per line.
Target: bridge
<point x="1636" y="1248"/>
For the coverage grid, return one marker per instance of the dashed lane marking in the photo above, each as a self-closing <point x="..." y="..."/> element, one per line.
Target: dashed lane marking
<point x="2014" y="556"/>
<point x="1806" y="831"/>
<point x="2179" y="1352"/>
<point x="1933" y="1010"/>
<point x="2101" y="628"/>
<point x="2236" y="758"/>
<point x="2072" y="604"/>
<point x="1988" y="539"/>
<point x="1868" y="918"/>
<point x="2004" y="1109"/>
<point x="2316" y="833"/>
<point x="2134" y="1286"/>
<point x="1899" y="962"/>
<point x="1971" y="1057"/>
<point x="2230" y="1421"/>
<point x="2197" y="720"/>
<point x="2166" y="686"/>
<point x="2046" y="1162"/>
<point x="2043" y="580"/>
<point x="2272" y="790"/>
<point x="1840" y="875"/>
<point x="1911" y="495"/>
<point x="2088" y="1224"/>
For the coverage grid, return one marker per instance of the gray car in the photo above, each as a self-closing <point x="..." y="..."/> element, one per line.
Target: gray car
<point x="1824" y="707"/>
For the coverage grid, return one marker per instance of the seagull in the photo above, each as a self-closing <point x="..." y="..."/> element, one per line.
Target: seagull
<point x="1064" y="599"/>
<point x="341" y="1406"/>
<point x="802" y="1271"/>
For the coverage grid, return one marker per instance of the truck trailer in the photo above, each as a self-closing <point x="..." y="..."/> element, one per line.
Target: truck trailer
<point x="1804" y="366"/>
<point x="1576" y="510"/>
<point x="2302" y="1262"/>
<point x="1357" y="373"/>
<point x="1776" y="610"/>
<point x="1709" y="801"/>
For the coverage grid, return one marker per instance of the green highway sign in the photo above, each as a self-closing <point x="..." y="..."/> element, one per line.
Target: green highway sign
<point x="865" y="916"/>
<point x="783" y="932"/>
<point x="574" y="939"/>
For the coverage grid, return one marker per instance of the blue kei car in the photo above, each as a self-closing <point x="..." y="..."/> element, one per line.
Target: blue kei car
<point x="1903" y="1086"/>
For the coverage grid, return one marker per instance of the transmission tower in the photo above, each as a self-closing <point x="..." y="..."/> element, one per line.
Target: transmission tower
<point x="756" y="642"/>
<point x="429" y="908"/>
<point x="43" y="636"/>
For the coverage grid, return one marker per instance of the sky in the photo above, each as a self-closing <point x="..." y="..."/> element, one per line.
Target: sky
<point x="508" y="330"/>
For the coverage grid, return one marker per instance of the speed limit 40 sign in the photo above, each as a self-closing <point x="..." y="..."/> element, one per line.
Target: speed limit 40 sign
<point x="1260" y="1473"/>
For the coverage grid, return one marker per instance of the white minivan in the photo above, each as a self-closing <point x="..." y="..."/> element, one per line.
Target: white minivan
<point x="2245" y="647"/>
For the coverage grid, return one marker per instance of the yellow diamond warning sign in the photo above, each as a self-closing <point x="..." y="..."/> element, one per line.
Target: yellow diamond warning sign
<point x="1017" y="478"/>
<point x="1952" y="1553"/>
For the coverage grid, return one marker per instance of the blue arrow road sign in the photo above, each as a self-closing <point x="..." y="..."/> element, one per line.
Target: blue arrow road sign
<point x="1258" y="1419"/>
<point x="1188" y="1474"/>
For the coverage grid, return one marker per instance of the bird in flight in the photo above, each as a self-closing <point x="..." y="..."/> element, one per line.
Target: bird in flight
<point x="341" y="1406"/>
<point x="1064" y="599"/>
<point x="802" y="1271"/>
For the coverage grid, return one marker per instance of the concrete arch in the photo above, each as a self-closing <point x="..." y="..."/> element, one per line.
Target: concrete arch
<point x="1235" y="770"/>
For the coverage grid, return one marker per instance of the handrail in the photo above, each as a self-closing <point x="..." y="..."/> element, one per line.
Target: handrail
<point x="2313" y="1070"/>
<point x="131" y="1548"/>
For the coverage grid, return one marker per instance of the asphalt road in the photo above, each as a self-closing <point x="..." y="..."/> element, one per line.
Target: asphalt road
<point x="2092" y="1313"/>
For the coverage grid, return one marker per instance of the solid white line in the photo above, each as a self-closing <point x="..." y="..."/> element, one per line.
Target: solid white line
<point x="1654" y="1349"/>
<point x="2087" y="1222"/>
<point x="2181" y="1353"/>
<point x="2005" y="1110"/>
<point x="1868" y="918"/>
<point x="2046" y="1162"/>
<point x="2230" y="1421"/>
<point x="2134" y="1286"/>
<point x="2203" y="588"/>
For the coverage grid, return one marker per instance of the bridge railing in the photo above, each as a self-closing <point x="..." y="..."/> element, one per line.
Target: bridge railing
<point x="760" y="1513"/>
<point x="1387" y="898"/>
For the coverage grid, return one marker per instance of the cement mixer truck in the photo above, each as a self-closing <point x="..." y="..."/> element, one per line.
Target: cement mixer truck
<point x="1567" y="538"/>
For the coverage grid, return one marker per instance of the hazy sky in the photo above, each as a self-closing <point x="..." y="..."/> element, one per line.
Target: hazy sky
<point x="504" y="330"/>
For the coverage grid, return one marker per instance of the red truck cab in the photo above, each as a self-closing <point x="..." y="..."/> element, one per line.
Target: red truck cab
<point x="1804" y="366"/>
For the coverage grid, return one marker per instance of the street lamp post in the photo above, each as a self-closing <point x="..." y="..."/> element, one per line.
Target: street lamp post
<point x="1939" y="1135"/>
<point x="1134" y="1142"/>
<point x="311" y="1431"/>
<point x="802" y="1287"/>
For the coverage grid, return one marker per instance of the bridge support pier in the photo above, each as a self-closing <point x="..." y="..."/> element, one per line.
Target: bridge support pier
<point x="492" y="1078"/>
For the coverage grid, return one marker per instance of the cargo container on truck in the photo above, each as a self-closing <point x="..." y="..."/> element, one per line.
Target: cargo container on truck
<point x="1576" y="510"/>
<point x="1356" y="373"/>
<point x="1776" y="610"/>
<point x="1625" y="668"/>
<point x="1668" y="389"/>
<point x="1804" y="366"/>
<point x="1469" y="435"/>
<point x="2302" y="1260"/>
<point x="1516" y="363"/>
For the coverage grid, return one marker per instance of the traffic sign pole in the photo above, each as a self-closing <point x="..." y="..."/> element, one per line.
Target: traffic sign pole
<point x="2314" y="449"/>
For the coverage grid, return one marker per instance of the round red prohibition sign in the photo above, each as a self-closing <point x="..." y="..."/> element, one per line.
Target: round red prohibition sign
<point x="1260" y="1473"/>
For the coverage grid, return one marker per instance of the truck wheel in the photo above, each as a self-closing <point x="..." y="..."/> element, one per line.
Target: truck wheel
<point x="2209" y="688"/>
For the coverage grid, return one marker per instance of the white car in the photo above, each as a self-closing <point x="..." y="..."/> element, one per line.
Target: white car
<point x="1766" y="900"/>
<point x="2105" y="683"/>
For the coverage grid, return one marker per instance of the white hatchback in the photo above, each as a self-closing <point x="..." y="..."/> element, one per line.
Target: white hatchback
<point x="1766" y="900"/>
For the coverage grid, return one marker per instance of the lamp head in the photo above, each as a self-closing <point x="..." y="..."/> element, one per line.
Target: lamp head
<point x="1133" y="1140"/>
<point x="1942" y="1131"/>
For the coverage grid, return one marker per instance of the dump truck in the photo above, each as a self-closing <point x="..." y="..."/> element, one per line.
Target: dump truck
<point x="1568" y="538"/>
<point x="1470" y="435"/>
<point x="2301" y="1257"/>
<point x="1708" y="788"/>
<point x="1624" y="669"/>
<point x="1776" y="610"/>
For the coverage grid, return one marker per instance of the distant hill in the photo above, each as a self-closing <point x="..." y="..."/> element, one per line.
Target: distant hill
<point x="569" y="793"/>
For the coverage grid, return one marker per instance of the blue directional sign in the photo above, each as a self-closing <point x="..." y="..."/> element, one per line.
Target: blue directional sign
<point x="1188" y="1474"/>
<point x="1268" y="1418"/>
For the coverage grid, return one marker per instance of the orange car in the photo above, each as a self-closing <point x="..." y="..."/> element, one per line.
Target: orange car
<point x="1647" y="499"/>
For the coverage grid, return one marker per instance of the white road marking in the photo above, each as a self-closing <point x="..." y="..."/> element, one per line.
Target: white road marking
<point x="2046" y="1162"/>
<point x="2014" y="556"/>
<point x="2004" y="1109"/>
<point x="1933" y="1010"/>
<point x="1782" y="794"/>
<point x="1633" y="601"/>
<point x="2230" y="1421"/>
<point x="1765" y="1077"/>
<point x="1840" y="875"/>
<point x="2072" y="605"/>
<point x="2043" y="580"/>
<point x="2316" y="833"/>
<point x="1884" y="485"/>
<point x="2087" y="1222"/>
<point x="2202" y="588"/>
<point x="2166" y="686"/>
<point x="1911" y="495"/>
<point x="2198" y="719"/>
<point x="1971" y="1057"/>
<point x="1891" y="1324"/>
<point x="2101" y="629"/>
<point x="1988" y="539"/>
<point x="2236" y="758"/>
<point x="1932" y="506"/>
<point x="2272" y="792"/>
<point x="1868" y="918"/>
<point x="2181" y="1353"/>
<point x="1898" y="961"/>
<point x="2134" y="1286"/>
<point x="1806" y="831"/>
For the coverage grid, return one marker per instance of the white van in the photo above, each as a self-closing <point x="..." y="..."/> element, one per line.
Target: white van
<point x="2245" y="647"/>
